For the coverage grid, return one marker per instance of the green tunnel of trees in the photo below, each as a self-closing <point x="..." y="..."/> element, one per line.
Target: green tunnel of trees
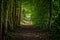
<point x="12" y="11"/>
<point x="43" y="13"/>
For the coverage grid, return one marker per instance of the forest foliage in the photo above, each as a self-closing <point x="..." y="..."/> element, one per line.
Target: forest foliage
<point x="39" y="13"/>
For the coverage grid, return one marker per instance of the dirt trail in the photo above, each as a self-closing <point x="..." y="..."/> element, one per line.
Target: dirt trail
<point x="30" y="34"/>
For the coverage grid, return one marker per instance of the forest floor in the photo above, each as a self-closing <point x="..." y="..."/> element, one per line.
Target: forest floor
<point x="29" y="33"/>
<point x="0" y="35"/>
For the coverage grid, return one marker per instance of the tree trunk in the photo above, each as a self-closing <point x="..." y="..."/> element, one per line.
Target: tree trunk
<point x="50" y="17"/>
<point x="19" y="15"/>
<point x="14" y="13"/>
<point x="4" y="18"/>
<point x="10" y="14"/>
<point x="1" y="20"/>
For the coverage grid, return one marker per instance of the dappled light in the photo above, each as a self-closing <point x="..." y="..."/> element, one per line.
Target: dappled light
<point x="30" y="19"/>
<point x="26" y="12"/>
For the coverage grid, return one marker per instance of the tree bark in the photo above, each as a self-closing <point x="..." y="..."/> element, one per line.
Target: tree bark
<point x="1" y="20"/>
<point x="4" y="18"/>
<point x="50" y="17"/>
<point x="18" y="12"/>
<point x="10" y="14"/>
<point x="14" y="13"/>
<point x="19" y="15"/>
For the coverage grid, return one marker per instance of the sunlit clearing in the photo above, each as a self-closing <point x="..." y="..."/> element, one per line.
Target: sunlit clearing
<point x="26" y="16"/>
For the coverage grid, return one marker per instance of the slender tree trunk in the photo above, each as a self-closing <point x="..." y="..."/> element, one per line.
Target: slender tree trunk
<point x="5" y="14"/>
<point x="14" y="13"/>
<point x="4" y="24"/>
<point x="0" y="12"/>
<point x="19" y="15"/>
<point x="1" y="20"/>
<point x="6" y="20"/>
<point x="10" y="14"/>
<point x="17" y="11"/>
<point x="50" y="17"/>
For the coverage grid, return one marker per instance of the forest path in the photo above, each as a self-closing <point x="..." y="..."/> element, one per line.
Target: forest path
<point x="30" y="33"/>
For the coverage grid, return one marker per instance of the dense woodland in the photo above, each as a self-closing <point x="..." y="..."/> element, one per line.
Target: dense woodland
<point x="45" y="14"/>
